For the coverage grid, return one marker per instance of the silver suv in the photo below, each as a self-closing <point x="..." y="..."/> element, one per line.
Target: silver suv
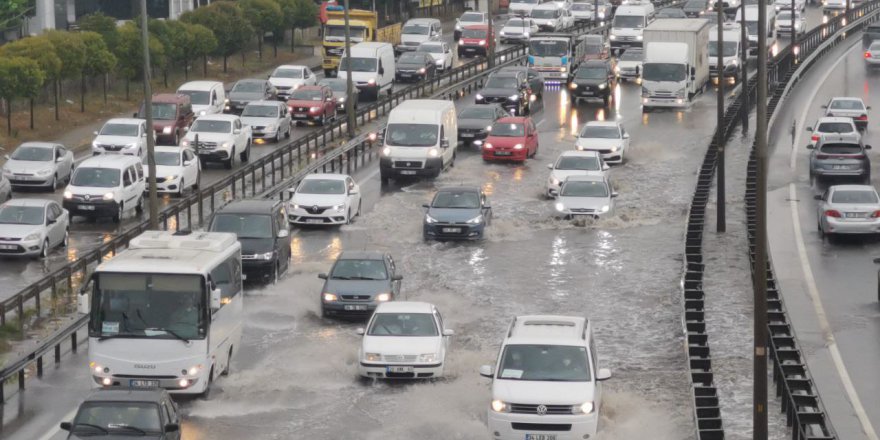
<point x="837" y="156"/>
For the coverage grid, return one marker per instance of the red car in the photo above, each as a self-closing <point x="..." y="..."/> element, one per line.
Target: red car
<point x="312" y="103"/>
<point x="474" y="40"/>
<point x="513" y="138"/>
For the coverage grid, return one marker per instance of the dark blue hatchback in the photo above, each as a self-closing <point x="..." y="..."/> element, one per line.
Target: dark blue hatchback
<point x="459" y="213"/>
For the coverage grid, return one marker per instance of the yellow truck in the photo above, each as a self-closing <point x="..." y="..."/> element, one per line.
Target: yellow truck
<point x="362" y="27"/>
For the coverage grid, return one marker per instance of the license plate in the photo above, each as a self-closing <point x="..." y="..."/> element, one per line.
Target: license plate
<point x="405" y="75"/>
<point x="408" y="172"/>
<point x="314" y="220"/>
<point x="7" y="247"/>
<point x="856" y="214"/>
<point x="392" y="369"/>
<point x="540" y="436"/>
<point x="86" y="207"/>
<point x="467" y="135"/>
<point x="470" y="49"/>
<point x="144" y="383"/>
<point x="451" y="230"/>
<point x="299" y="115"/>
<point x="356" y="307"/>
<point x="587" y="93"/>
<point x="503" y="153"/>
<point x="840" y="167"/>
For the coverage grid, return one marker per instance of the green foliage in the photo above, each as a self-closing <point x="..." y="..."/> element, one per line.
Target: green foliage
<point x="299" y="14"/>
<point x="264" y="15"/>
<point x="71" y="50"/>
<point x="129" y="51"/>
<point x="177" y="42"/>
<point x="13" y="11"/>
<point x="102" y="24"/>
<point x="228" y="23"/>
<point x="203" y="41"/>
<point x="38" y="49"/>
<point x="99" y="59"/>
<point x="20" y="77"/>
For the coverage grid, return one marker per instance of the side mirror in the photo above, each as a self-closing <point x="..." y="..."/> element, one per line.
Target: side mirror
<point x="284" y="233"/>
<point x="867" y="147"/>
<point x="67" y="426"/>
<point x="613" y="194"/>
<point x="549" y="166"/>
<point x="144" y="134"/>
<point x="172" y="427"/>
<point x="236" y="131"/>
<point x="58" y="159"/>
<point x="626" y="135"/>
<point x="487" y="206"/>
<point x="810" y="146"/>
<point x="185" y="129"/>
<point x="82" y="300"/>
<point x="215" y="299"/>
<point x="187" y="163"/>
<point x="322" y="276"/>
<point x="381" y="71"/>
<point x="810" y="129"/>
<point x="448" y="332"/>
<point x="425" y="205"/>
<point x="605" y="167"/>
<point x="444" y="143"/>
<point x="603" y="374"/>
<point x="877" y="260"/>
<point x="397" y="278"/>
<point x="693" y="77"/>
<point x="134" y="115"/>
<point x="360" y="331"/>
<point x="487" y="371"/>
<point x="824" y="106"/>
<point x="95" y="133"/>
<point x="353" y="191"/>
<point x="50" y="221"/>
<point x="817" y="197"/>
<point x="868" y="107"/>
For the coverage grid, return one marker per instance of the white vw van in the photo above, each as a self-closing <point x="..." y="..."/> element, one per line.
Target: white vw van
<point x="420" y="139"/>
<point x="372" y="68"/>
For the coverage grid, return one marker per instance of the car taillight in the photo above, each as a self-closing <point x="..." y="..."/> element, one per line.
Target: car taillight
<point x="814" y="138"/>
<point x="867" y="54"/>
<point x="875" y="214"/>
<point x="862" y="118"/>
<point x="832" y="213"/>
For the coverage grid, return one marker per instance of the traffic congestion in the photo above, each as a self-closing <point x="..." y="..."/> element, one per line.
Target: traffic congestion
<point x="506" y="269"/>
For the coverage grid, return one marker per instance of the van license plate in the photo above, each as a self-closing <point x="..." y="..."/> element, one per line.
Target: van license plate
<point x="408" y="172"/>
<point x="299" y="115"/>
<point x="144" y="383"/>
<point x="540" y="436"/>
<point x="391" y="369"/>
<point x="356" y="307"/>
<point x="86" y="207"/>
<point x="466" y="135"/>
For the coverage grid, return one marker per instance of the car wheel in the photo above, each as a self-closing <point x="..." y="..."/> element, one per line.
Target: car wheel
<point x="66" y="241"/>
<point x="384" y="179"/>
<point x="181" y="188"/>
<point x="278" y="135"/>
<point x="44" y="250"/>
<point x="69" y="175"/>
<point x="275" y="272"/>
<point x="118" y="216"/>
<point x="139" y="208"/>
<point x="53" y="186"/>
<point x="207" y="393"/>
<point x="348" y="217"/>
<point x="176" y="138"/>
<point x="246" y="154"/>
<point x="287" y="133"/>
<point x="323" y="120"/>
<point x="605" y="100"/>
<point x="198" y="179"/>
<point x="359" y="209"/>
<point x="228" y="163"/>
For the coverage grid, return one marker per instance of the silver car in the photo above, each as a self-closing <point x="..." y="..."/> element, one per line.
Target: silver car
<point x="585" y="196"/>
<point x="849" y="209"/>
<point x="39" y="164"/>
<point x="848" y="107"/>
<point x="5" y="188"/>
<point x="32" y="227"/>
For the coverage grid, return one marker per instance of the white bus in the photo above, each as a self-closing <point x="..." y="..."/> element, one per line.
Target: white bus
<point x="166" y="312"/>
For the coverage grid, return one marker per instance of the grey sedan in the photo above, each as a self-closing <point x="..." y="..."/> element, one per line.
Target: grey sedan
<point x="358" y="282"/>
<point x="849" y="209"/>
<point x="460" y="213"/>
<point x="839" y="158"/>
<point x="340" y="92"/>
<point x="32" y="227"/>
<point x="39" y="164"/>
<point x="475" y="122"/>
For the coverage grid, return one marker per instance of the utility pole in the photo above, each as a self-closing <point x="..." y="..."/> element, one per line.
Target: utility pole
<point x="349" y="90"/>
<point x="596" y="13"/>
<point x="793" y="32"/>
<point x="759" y="407"/>
<point x="721" y="197"/>
<point x="148" y="114"/>
<point x="490" y="39"/>
<point x="744" y="66"/>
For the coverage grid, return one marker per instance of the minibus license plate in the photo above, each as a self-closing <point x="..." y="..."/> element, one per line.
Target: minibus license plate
<point x="144" y="383"/>
<point x="540" y="436"/>
<point x="391" y="369"/>
<point x="356" y="307"/>
<point x="299" y="115"/>
<point x="408" y="173"/>
<point x="86" y="207"/>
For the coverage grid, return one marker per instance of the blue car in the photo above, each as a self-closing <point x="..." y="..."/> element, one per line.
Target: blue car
<point x="460" y="213"/>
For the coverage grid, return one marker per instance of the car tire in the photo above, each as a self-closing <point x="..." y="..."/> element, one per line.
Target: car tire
<point x="198" y="179"/>
<point x="287" y="133"/>
<point x="275" y="272"/>
<point x="206" y="395"/>
<point x="278" y="135"/>
<point x="348" y="217"/>
<point x="53" y="185"/>
<point x="117" y="218"/>
<point x="139" y="208"/>
<point x="323" y="120"/>
<point x="181" y="188"/>
<point x="605" y="100"/>
<point x="358" y="213"/>
<point x="176" y="138"/>
<point x="246" y="154"/>
<point x="66" y="240"/>
<point x="69" y="175"/>
<point x="228" y="162"/>
<point x="384" y="179"/>
<point x="44" y="250"/>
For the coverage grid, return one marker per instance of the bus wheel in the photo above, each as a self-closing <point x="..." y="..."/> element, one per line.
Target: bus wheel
<point x="228" y="363"/>
<point x="207" y="393"/>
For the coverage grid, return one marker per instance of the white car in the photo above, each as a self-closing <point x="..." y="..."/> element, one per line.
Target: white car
<point x="546" y="376"/>
<point x="39" y="164"/>
<point x="784" y="22"/>
<point x="800" y="5"/>
<point x="521" y="8"/>
<point x="177" y="169"/>
<point x="573" y="163"/>
<point x="404" y="340"/>
<point x="324" y="199"/>
<point x="585" y="196"/>
<point x="849" y="107"/>
<point x="267" y="119"/>
<point x="218" y="138"/>
<point x="551" y="18"/>
<point x="518" y="30"/>
<point x="582" y="12"/>
<point x="833" y="6"/>
<point x="287" y="78"/>
<point x="32" y="227"/>
<point x="842" y="128"/>
<point x="629" y="64"/>
<point x="848" y="209"/>
<point x="122" y="135"/>
<point x="606" y="137"/>
<point x="440" y="52"/>
<point x="872" y="55"/>
<point x="469" y="18"/>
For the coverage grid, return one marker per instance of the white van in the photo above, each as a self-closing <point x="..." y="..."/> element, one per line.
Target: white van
<point x="106" y="185"/>
<point x="420" y="139"/>
<point x="372" y="68"/>
<point x="628" y="24"/>
<point x="417" y="31"/>
<point x="207" y="97"/>
<point x="752" y="29"/>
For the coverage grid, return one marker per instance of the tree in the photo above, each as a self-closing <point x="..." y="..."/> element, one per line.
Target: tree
<point x="102" y="24"/>
<point x="40" y="50"/>
<point x="226" y="20"/>
<point x="298" y="14"/>
<point x="203" y="43"/>
<point x="130" y="54"/>
<point x="19" y="78"/>
<point x="98" y="61"/>
<point x="160" y="29"/>
<point x="264" y="15"/>
<point x="13" y="11"/>
<point x="72" y="51"/>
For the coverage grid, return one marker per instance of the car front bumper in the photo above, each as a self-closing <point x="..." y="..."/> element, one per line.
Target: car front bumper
<point x="418" y="167"/>
<point x="257" y="269"/>
<point x="505" y="155"/>
<point x="327" y="217"/>
<point x="166" y="186"/>
<point x="90" y="208"/>
<point x="381" y="370"/>
<point x="211" y="155"/>
<point x="20" y="248"/>
<point x="349" y="309"/>
<point x="29" y="181"/>
<point x="457" y="231"/>
<point x="509" y="426"/>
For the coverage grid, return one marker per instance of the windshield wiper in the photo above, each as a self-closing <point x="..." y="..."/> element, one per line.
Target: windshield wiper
<point x="169" y="331"/>
<point x="89" y="425"/>
<point x="365" y="278"/>
<point x="131" y="428"/>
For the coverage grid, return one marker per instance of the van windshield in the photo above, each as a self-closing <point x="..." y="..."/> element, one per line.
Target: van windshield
<point x="412" y="135"/>
<point x="96" y="177"/>
<point x="416" y="29"/>
<point x="557" y="363"/>
<point x="545" y="13"/>
<point x="162" y="111"/>
<point x="358" y="64"/>
<point x="196" y="97"/>
<point x="729" y="48"/>
<point x="629" y="21"/>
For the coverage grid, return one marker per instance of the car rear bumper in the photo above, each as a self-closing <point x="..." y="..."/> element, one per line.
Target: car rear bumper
<point x="838" y="226"/>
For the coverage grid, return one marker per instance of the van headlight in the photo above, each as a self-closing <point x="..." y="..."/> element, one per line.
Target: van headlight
<point x="612" y="37"/>
<point x="500" y="406"/>
<point x="639" y="37"/>
<point x="602" y="86"/>
<point x="108" y="196"/>
<point x="166" y="130"/>
<point x="266" y="256"/>
<point x="386" y="151"/>
<point x="433" y="152"/>
<point x="202" y="113"/>
<point x="513" y="97"/>
<point x="560" y="207"/>
<point x="584" y="408"/>
<point x="478" y="97"/>
<point x="68" y="195"/>
<point x="329" y="297"/>
<point x="371" y="81"/>
<point x="383" y="297"/>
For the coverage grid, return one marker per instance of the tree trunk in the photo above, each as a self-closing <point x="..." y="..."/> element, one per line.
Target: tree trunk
<point x="243" y="60"/>
<point x="205" y="66"/>
<point x="225" y="57"/>
<point x="56" y="93"/>
<point x="260" y="36"/>
<point x="274" y="45"/>
<point x="82" y="93"/>
<point x="186" y="69"/>
<point x="127" y="89"/>
<point x="104" y="83"/>
<point x="165" y="76"/>
<point x="292" y="40"/>
<point x="32" y="113"/>
<point x="9" y="117"/>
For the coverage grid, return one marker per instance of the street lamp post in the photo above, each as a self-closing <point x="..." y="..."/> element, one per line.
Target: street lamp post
<point x="148" y="115"/>
<point x="744" y="65"/>
<point x="349" y="90"/>
<point x="759" y="407"/>
<point x="721" y="215"/>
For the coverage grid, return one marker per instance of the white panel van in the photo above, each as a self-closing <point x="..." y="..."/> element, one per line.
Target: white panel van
<point x="372" y="68"/>
<point x="420" y="139"/>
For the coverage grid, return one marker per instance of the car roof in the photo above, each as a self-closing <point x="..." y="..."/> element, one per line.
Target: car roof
<point x="219" y="117"/>
<point x="510" y="72"/>
<point x="266" y="102"/>
<point x="512" y="120"/>
<point x="459" y="189"/>
<point x="168" y="149"/>
<point x="249" y="206"/>
<point x="405" y="307"/>
<point x="602" y="123"/>
<point x="851" y="188"/>
<point x="548" y="330"/>
<point x="38" y="144"/>
<point x="199" y="85"/>
<point x="581" y="153"/>
<point x="291" y="66"/>
<point x="548" y="5"/>
<point x="361" y="255"/>
<point x="27" y="202"/>
<point x="133" y="121"/>
<point x="835" y="119"/>
<point x="585" y="178"/>
<point x="109" y="161"/>
<point x="421" y="21"/>
<point x="326" y="176"/>
<point x="126" y="395"/>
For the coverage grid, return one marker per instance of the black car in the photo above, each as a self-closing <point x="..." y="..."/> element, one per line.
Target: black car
<point x="340" y="92"/>
<point x="593" y="79"/>
<point x="671" y="13"/>
<point x="358" y="282"/>
<point x="475" y="121"/>
<point x="148" y="414"/>
<point x="459" y="213"/>
<point x="536" y="81"/>
<point x="247" y="90"/>
<point x="695" y="8"/>
<point x="415" y="66"/>
<point x="261" y="227"/>
<point x="510" y="89"/>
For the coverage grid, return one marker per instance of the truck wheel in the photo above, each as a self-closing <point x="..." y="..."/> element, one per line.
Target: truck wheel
<point x="384" y="179"/>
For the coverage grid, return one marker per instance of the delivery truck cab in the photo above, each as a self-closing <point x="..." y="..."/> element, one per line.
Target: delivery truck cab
<point x="676" y="66"/>
<point x="372" y="68"/>
<point x="420" y="139"/>
<point x="627" y="26"/>
<point x="751" y="19"/>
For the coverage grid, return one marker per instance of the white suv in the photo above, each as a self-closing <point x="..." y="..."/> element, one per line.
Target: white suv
<point x="546" y="382"/>
<point x="218" y="138"/>
<point x="122" y="135"/>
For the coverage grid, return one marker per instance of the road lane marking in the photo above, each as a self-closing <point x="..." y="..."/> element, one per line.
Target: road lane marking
<point x="57" y="428"/>
<point x="812" y="289"/>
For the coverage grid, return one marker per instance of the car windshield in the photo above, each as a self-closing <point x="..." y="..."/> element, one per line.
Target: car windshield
<point x="548" y="48"/>
<point x="556" y="363"/>
<point x="847" y="104"/>
<point x="321" y="186"/>
<point x="474" y="33"/>
<point x="412" y="58"/>
<point x="306" y="95"/>
<point x="477" y="112"/>
<point x="162" y="111"/>
<point x="456" y="200"/>
<point x="358" y="64"/>
<point x="664" y="72"/>
<point x="590" y="73"/>
<point x="590" y="188"/>
<point x="578" y="163"/>
<point x="118" y="417"/>
<point x="243" y="225"/>
<point x="149" y="305"/>
<point x="752" y="27"/>
<point x="729" y="48"/>
<point x="430" y="48"/>
<point x="359" y="270"/>
<point x="21" y="215"/>
<point x="119" y="130"/>
<point x="260" y="111"/>
<point x="501" y="82"/>
<point x="841" y="149"/>
<point x="403" y="324"/>
<point x="517" y="22"/>
<point x="545" y="13"/>
<point x="415" y="29"/>
<point x="247" y="87"/>
<point x="632" y="55"/>
<point x="196" y="97"/>
<point x="96" y="177"/>
<point x="628" y="21"/>
<point x="289" y="73"/>
<point x="875" y="46"/>
<point x="166" y="158"/>
<point x="525" y="2"/>
<point x="600" y="132"/>
<point x="337" y="85"/>
<point x="581" y="7"/>
<point x="472" y="16"/>
<point x="507" y="129"/>
<point x="209" y="126"/>
<point x="835" y="127"/>
<point x="412" y="135"/>
<point x="32" y="154"/>
<point x="853" y="196"/>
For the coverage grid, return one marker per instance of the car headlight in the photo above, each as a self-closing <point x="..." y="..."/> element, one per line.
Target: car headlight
<point x="266" y="256"/>
<point x="554" y="181"/>
<point x="584" y="408"/>
<point x="386" y="151"/>
<point x="602" y="86"/>
<point x="438" y="62"/>
<point x="271" y="128"/>
<point x="338" y="207"/>
<point x="612" y="37"/>
<point x="433" y="152"/>
<point x="605" y="208"/>
<point x="615" y="148"/>
<point x="639" y="37"/>
<point x="502" y="33"/>
<point x="171" y="177"/>
<point x="166" y="130"/>
<point x="422" y="70"/>
<point x="457" y="27"/>
<point x="31" y="237"/>
<point x="526" y="34"/>
<point x="108" y="196"/>
<point x="314" y="109"/>
<point x="372" y="357"/>
<point x="572" y="86"/>
<point x="500" y="406"/>
<point x="382" y="297"/>
<point x="226" y="101"/>
<point x="488" y="128"/>
<point x="560" y="207"/>
<point x="518" y="147"/>
<point x="184" y="143"/>
<point x="429" y="219"/>
<point x="479" y="97"/>
<point x="294" y="206"/>
<point x="202" y="113"/>
<point x="45" y="172"/>
<point x="341" y="99"/>
<point x="482" y="42"/>
<point x="68" y="195"/>
<point x="563" y="69"/>
<point x="329" y="297"/>
<point x="428" y="357"/>
<point x="371" y="81"/>
<point x="488" y="146"/>
<point x="513" y="97"/>
<point x="476" y="220"/>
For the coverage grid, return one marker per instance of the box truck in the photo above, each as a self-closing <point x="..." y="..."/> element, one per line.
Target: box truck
<point x="676" y="66"/>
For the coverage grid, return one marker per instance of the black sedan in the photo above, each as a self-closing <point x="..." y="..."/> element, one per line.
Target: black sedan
<point x="510" y="89"/>
<point x="415" y="66"/>
<point x="475" y="122"/>
<point x="536" y="81"/>
<point x="459" y="213"/>
<point x="123" y="412"/>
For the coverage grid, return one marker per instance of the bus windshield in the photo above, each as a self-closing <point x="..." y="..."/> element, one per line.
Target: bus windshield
<point x="148" y="306"/>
